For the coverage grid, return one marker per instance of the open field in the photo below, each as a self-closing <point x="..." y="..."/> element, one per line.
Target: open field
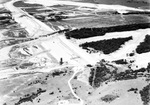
<point x="130" y="3"/>
<point x="105" y="20"/>
<point x="24" y="88"/>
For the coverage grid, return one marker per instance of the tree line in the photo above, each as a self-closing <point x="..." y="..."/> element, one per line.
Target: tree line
<point x="91" y="32"/>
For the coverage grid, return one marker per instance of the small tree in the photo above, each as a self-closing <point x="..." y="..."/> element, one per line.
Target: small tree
<point x="61" y="61"/>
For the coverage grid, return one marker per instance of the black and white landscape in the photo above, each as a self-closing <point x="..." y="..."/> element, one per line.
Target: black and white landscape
<point x="74" y="52"/>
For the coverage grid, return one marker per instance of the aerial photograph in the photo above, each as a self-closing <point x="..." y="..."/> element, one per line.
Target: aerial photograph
<point x="74" y="52"/>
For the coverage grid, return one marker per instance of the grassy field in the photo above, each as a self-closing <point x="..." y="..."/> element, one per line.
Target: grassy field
<point x="130" y="3"/>
<point x="106" y="20"/>
<point x="37" y="87"/>
<point x="80" y="20"/>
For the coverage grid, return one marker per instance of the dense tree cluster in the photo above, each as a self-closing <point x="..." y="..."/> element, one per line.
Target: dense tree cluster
<point x="128" y="74"/>
<point x="91" y="32"/>
<point x="6" y="19"/>
<point x="99" y="75"/>
<point x="26" y="65"/>
<point x="144" y="46"/>
<point x="37" y="82"/>
<point x="132" y="74"/>
<point x="22" y="4"/>
<point x="133" y="89"/>
<point x="57" y="73"/>
<point x="30" y="97"/>
<point x="137" y="12"/>
<point x="145" y="95"/>
<point x="102" y="73"/>
<point x="91" y="78"/>
<point x="2" y="18"/>
<point x="121" y="61"/>
<point x="109" y="98"/>
<point x="106" y="46"/>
